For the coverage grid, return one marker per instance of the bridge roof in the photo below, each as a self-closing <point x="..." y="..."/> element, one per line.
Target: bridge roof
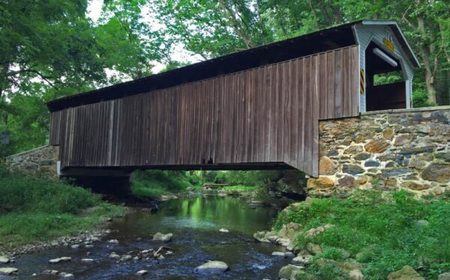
<point x="316" y="42"/>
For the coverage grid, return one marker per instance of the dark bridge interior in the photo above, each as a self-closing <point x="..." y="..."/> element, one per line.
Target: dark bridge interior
<point x="390" y="95"/>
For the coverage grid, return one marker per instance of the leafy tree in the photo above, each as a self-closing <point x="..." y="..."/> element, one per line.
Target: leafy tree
<point x="213" y="28"/>
<point x="49" y="41"/>
<point x="51" y="49"/>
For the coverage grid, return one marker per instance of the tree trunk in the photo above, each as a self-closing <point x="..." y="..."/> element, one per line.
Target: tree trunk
<point x="426" y="54"/>
<point x="431" y="88"/>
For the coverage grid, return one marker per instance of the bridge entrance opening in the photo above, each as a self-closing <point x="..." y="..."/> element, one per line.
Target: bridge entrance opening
<point x="386" y="86"/>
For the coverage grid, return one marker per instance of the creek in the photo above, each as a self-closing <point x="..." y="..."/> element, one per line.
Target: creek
<point x="195" y="224"/>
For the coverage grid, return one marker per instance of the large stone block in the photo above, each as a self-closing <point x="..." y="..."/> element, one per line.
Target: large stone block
<point x="346" y="181"/>
<point x="415" y="186"/>
<point x="320" y="183"/>
<point x="377" y="146"/>
<point x="394" y="172"/>
<point x="352" y="169"/>
<point x="437" y="172"/>
<point x="417" y="150"/>
<point x="327" y="166"/>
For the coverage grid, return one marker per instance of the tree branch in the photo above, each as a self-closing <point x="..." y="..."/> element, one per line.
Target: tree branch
<point x="42" y="76"/>
<point x="236" y="25"/>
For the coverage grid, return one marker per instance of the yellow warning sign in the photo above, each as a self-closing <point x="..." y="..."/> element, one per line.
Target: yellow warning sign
<point x="361" y="82"/>
<point x="389" y="44"/>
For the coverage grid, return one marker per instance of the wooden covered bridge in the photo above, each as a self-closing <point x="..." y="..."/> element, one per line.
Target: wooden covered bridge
<point x="258" y="108"/>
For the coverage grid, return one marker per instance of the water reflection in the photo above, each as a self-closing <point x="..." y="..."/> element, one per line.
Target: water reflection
<point x="215" y="212"/>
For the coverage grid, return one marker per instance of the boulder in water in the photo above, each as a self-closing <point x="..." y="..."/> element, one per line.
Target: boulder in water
<point x="66" y="275"/>
<point x="162" y="237"/>
<point x="265" y="236"/>
<point x="50" y="271"/>
<point x="4" y="260"/>
<point x="283" y="254"/>
<point x="114" y="255"/>
<point x="212" y="267"/>
<point x="62" y="259"/>
<point x="8" y="270"/>
<point x="141" y="272"/>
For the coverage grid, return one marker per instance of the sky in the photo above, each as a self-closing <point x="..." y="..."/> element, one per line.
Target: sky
<point x="178" y="53"/>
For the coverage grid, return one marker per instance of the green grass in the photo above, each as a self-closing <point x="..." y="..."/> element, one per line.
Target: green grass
<point x="38" y="209"/>
<point x="155" y="183"/>
<point x="239" y="188"/>
<point x="385" y="232"/>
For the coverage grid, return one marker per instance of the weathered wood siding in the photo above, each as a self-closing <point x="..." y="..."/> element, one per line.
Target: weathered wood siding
<point x="262" y="115"/>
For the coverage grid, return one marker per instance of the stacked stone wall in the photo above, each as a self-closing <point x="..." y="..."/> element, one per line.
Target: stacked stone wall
<point x="387" y="150"/>
<point x="39" y="161"/>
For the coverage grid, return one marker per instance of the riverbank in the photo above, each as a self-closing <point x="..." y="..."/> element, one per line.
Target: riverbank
<point x="369" y="235"/>
<point x="37" y="212"/>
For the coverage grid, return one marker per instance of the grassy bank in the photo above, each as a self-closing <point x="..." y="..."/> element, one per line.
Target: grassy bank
<point x="37" y="209"/>
<point x="239" y="188"/>
<point x="382" y="232"/>
<point x="155" y="183"/>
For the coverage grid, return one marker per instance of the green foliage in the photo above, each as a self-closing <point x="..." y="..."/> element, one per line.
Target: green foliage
<point x="34" y="209"/>
<point x="23" y="193"/>
<point x="239" y="188"/>
<point x="387" y="78"/>
<point x="154" y="183"/>
<point x="327" y="272"/>
<point x="248" y="178"/>
<point x="333" y="253"/>
<point x="214" y="28"/>
<point x="420" y="98"/>
<point x="384" y="231"/>
<point x="52" y="49"/>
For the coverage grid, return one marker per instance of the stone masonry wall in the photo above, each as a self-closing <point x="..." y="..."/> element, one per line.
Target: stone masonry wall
<point x="387" y="150"/>
<point x="39" y="161"/>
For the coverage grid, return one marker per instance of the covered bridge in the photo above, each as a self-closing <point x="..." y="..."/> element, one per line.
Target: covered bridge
<point x="258" y="108"/>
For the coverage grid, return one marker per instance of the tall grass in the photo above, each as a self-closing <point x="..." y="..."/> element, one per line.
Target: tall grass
<point x="38" y="209"/>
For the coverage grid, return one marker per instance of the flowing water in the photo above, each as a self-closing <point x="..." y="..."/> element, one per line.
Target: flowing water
<point x="195" y="225"/>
